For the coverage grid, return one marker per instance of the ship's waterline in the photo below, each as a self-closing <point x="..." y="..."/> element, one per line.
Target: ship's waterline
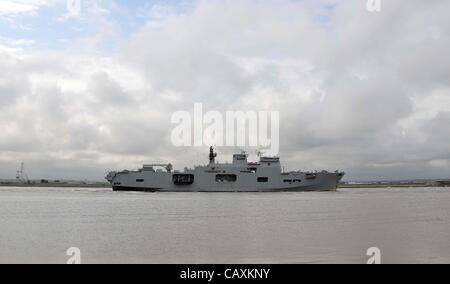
<point x="239" y="176"/>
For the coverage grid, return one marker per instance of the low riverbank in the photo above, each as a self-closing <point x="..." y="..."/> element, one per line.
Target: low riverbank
<point x="384" y="185"/>
<point x="56" y="185"/>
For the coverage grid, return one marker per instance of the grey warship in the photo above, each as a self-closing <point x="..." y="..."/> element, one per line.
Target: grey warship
<point x="239" y="176"/>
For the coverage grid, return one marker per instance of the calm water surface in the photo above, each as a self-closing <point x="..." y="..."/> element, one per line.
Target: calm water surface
<point x="408" y="225"/>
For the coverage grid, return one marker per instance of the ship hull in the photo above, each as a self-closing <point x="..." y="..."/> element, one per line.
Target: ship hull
<point x="328" y="182"/>
<point x="298" y="189"/>
<point x="239" y="176"/>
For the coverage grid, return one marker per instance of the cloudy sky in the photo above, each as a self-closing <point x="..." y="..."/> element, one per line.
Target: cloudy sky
<point x="365" y="92"/>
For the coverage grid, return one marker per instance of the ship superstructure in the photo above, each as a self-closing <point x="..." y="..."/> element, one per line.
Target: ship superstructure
<point x="238" y="176"/>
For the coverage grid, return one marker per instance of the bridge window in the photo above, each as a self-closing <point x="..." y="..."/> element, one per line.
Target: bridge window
<point x="263" y="179"/>
<point x="287" y="180"/>
<point x="226" y="178"/>
<point x="140" y="180"/>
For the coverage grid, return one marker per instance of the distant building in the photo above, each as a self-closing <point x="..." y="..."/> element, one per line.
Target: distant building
<point x="441" y="183"/>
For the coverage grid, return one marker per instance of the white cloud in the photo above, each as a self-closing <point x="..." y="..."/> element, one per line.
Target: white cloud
<point x="440" y="163"/>
<point x="19" y="7"/>
<point x="8" y="8"/>
<point x="364" y="92"/>
<point x="22" y="42"/>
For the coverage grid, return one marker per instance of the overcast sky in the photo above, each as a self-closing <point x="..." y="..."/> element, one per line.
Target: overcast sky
<point x="365" y="92"/>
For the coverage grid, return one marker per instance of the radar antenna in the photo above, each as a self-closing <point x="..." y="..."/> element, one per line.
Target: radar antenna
<point x="259" y="153"/>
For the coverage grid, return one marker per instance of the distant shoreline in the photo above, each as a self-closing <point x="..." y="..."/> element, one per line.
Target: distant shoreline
<point x="387" y="186"/>
<point x="57" y="185"/>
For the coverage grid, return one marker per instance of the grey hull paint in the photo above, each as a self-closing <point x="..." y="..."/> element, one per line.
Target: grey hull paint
<point x="244" y="177"/>
<point x="297" y="189"/>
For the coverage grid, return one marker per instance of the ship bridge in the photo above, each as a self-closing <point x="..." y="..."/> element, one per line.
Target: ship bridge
<point x="270" y="161"/>
<point x="240" y="159"/>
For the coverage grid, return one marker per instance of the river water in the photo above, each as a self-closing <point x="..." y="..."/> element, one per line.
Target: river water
<point x="38" y="225"/>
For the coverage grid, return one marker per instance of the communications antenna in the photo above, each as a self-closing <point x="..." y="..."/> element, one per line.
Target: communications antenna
<point x="20" y="174"/>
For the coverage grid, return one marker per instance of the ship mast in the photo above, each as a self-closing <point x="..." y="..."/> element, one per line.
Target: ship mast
<point x="212" y="156"/>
